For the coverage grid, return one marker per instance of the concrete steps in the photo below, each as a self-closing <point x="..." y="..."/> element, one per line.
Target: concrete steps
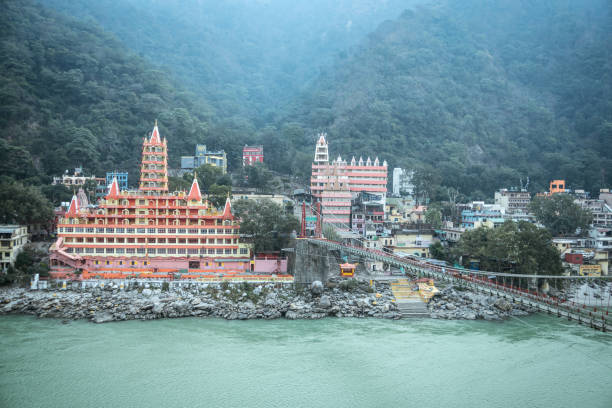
<point x="408" y="301"/>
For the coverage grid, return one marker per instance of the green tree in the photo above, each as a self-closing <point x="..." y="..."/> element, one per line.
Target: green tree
<point x="268" y="223"/>
<point x="560" y="214"/>
<point x="21" y="204"/>
<point x="433" y="216"/>
<point x="513" y="247"/>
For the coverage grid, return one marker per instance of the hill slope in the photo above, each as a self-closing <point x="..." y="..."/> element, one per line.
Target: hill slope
<point x="71" y="94"/>
<point x="478" y="93"/>
<point x="248" y="58"/>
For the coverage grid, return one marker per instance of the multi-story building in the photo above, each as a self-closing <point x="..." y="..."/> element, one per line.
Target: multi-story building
<point x="202" y="157"/>
<point x="367" y="213"/>
<point x="252" y="155"/>
<point x="335" y="183"/>
<point x="149" y="228"/>
<point x="402" y="182"/>
<point x="76" y="179"/>
<point x="601" y="211"/>
<point x="556" y="186"/>
<point x="513" y="200"/>
<point x="121" y="176"/>
<point x="12" y="240"/>
<point x="482" y="214"/>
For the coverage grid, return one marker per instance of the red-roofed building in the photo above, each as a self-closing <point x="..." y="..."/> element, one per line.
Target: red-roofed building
<point x="252" y="155"/>
<point x="149" y="229"/>
<point x="335" y="183"/>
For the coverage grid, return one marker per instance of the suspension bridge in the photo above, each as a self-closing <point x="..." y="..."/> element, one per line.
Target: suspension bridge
<point x="590" y="310"/>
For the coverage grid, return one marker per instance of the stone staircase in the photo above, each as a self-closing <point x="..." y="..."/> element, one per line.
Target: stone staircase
<point x="408" y="301"/>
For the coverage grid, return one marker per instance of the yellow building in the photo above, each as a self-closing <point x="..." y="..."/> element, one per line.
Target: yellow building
<point x="413" y="242"/>
<point x="12" y="240"/>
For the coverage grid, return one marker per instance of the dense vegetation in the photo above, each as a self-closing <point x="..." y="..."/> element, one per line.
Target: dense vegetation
<point x="268" y="224"/>
<point x="70" y="95"/>
<point x="247" y="58"/>
<point x="561" y="215"/>
<point x="513" y="247"/>
<point x="478" y="94"/>
<point x="472" y="94"/>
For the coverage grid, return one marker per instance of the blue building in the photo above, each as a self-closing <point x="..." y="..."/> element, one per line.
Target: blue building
<point x="203" y="156"/>
<point x="122" y="179"/>
<point x="481" y="213"/>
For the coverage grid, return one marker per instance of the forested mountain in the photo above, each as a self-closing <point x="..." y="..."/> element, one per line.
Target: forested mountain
<point x="474" y="94"/>
<point x="477" y="94"/>
<point x="70" y="95"/>
<point x="248" y="58"/>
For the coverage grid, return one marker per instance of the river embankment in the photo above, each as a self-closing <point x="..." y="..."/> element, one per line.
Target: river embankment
<point x="354" y="298"/>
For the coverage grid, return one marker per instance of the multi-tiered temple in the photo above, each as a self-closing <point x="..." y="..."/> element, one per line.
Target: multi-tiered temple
<point x="150" y="229"/>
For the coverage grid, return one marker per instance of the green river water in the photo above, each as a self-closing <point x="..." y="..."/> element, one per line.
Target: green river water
<point x="538" y="361"/>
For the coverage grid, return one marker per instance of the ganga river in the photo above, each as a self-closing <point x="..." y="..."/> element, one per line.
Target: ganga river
<point x="539" y="361"/>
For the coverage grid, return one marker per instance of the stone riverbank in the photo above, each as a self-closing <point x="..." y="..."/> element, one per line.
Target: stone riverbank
<point x="353" y="298"/>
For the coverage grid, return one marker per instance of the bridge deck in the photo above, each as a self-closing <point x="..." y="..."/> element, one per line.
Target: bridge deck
<point x="478" y="281"/>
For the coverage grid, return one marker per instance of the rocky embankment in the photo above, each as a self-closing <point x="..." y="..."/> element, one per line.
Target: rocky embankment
<point x="455" y="303"/>
<point x="231" y="302"/>
<point x="337" y="298"/>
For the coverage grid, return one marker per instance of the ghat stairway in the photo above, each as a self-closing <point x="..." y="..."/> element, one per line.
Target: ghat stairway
<point x="503" y="284"/>
<point x="408" y="300"/>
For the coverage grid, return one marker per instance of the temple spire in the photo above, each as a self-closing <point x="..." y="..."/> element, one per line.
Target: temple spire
<point x="227" y="211"/>
<point x="155" y="139"/>
<point x="154" y="168"/>
<point x="194" y="192"/>
<point x="113" y="192"/>
<point x="74" y="206"/>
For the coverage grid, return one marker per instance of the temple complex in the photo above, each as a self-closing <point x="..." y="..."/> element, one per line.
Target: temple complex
<point x="335" y="183"/>
<point x="149" y="230"/>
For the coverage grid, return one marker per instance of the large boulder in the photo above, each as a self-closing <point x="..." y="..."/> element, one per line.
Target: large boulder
<point x="316" y="287"/>
<point x="103" y="317"/>
<point x="503" y="304"/>
<point x="325" y="302"/>
<point x="147" y="292"/>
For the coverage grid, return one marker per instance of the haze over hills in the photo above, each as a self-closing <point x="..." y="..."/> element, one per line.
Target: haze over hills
<point x="474" y="94"/>
<point x="478" y="93"/>
<point x="248" y="58"/>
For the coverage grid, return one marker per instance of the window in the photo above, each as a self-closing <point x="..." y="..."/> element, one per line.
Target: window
<point x="111" y="230"/>
<point x="172" y="240"/>
<point x="151" y="230"/>
<point x="140" y="251"/>
<point x="193" y="231"/>
<point x="89" y="250"/>
<point x="100" y="230"/>
<point x="181" y="251"/>
<point x="68" y="229"/>
<point x="120" y="251"/>
<point x="182" y="231"/>
<point x="78" y="229"/>
<point x="244" y="251"/>
<point x="110" y="251"/>
<point x="203" y="231"/>
<point x="130" y="230"/>
<point x="219" y="250"/>
<point x="161" y="251"/>
<point x="99" y="250"/>
<point x="228" y="251"/>
<point x="211" y="251"/>
<point x="171" y="230"/>
<point x="161" y="230"/>
<point x="203" y="251"/>
<point x="130" y="250"/>
<point x="192" y="251"/>
<point x="171" y="251"/>
<point x="228" y="231"/>
<point x="234" y="251"/>
<point x="141" y="230"/>
<point x="120" y="230"/>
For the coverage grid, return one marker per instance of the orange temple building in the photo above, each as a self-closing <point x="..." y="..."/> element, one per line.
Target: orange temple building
<point x="149" y="230"/>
